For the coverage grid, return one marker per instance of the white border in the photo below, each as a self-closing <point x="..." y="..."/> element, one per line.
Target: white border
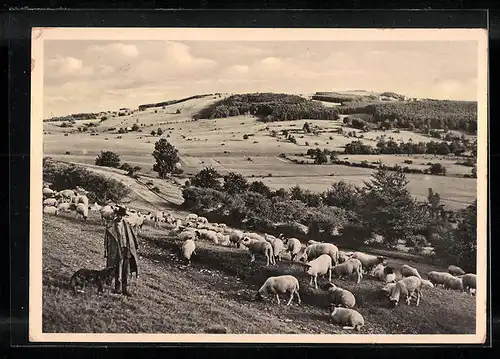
<point x="39" y="35"/>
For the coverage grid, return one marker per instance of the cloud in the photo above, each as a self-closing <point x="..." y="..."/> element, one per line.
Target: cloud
<point x="180" y="55"/>
<point x="60" y="68"/>
<point x="113" y="49"/>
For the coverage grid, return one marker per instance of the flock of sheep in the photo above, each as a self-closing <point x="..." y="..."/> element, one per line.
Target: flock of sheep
<point x="318" y="259"/>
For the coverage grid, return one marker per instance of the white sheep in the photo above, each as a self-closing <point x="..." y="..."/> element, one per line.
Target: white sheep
<point x="223" y="239"/>
<point x="469" y="282"/>
<point x="107" y="213"/>
<point x="293" y="246"/>
<point x="191" y="217"/>
<point x="340" y="297"/>
<point x="438" y="278"/>
<point x="95" y="207"/>
<point x="454" y="270"/>
<point x="188" y="234"/>
<point x="347" y="318"/>
<point x="277" y="244"/>
<point x="315" y="250"/>
<point x="283" y="284"/>
<point x="254" y="235"/>
<point x="352" y="267"/>
<point x="426" y="283"/>
<point x="50" y="202"/>
<point x="259" y="247"/>
<point x="368" y="261"/>
<point x="66" y="194"/>
<point x="64" y="207"/>
<point x="83" y="199"/>
<point x="50" y="210"/>
<point x="209" y="235"/>
<point x="82" y="210"/>
<point x="157" y="218"/>
<point x="311" y="241"/>
<point x="47" y="192"/>
<point x="202" y="220"/>
<point x="135" y="220"/>
<point x="408" y="271"/>
<point x="319" y="266"/>
<point x="343" y="256"/>
<point x="454" y="283"/>
<point x="406" y="288"/>
<point x="383" y="273"/>
<point x="387" y="289"/>
<point x="235" y="237"/>
<point x="188" y="249"/>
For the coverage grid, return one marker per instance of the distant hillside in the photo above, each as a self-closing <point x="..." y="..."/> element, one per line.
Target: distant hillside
<point x="173" y="102"/>
<point x="268" y="107"/>
<point x="343" y="97"/>
<point x="75" y="117"/>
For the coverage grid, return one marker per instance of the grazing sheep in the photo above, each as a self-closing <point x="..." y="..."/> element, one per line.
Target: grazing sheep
<point x="209" y="235"/>
<point x="202" y="220"/>
<point x="383" y="273"/>
<point x="454" y="270"/>
<point x="157" y="218"/>
<point x="259" y="247"/>
<point x="309" y="242"/>
<point x="319" y="266"/>
<point x="469" y="282"/>
<point x="189" y="234"/>
<point x="426" y="283"/>
<point x="254" y="235"/>
<point x="407" y="271"/>
<point x="277" y="244"/>
<point x="191" y="217"/>
<point x="188" y="249"/>
<point x="347" y="318"/>
<point x="135" y="220"/>
<point x="352" y="267"/>
<point x="64" y="207"/>
<point x="107" y="213"/>
<point x="83" y="199"/>
<point x="95" y="207"/>
<point x="66" y="194"/>
<point x="438" y="278"/>
<point x="223" y="239"/>
<point x="406" y="288"/>
<point x="222" y="226"/>
<point x="50" y="202"/>
<point x="283" y="284"/>
<point x="50" y="210"/>
<point x="83" y="210"/>
<point x="340" y="297"/>
<point x="454" y="283"/>
<point x="235" y="237"/>
<point x="343" y="256"/>
<point x="293" y="246"/>
<point x="47" y="192"/>
<point x="315" y="250"/>
<point x="368" y="260"/>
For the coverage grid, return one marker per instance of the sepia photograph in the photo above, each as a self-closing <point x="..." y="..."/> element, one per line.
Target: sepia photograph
<point x="258" y="185"/>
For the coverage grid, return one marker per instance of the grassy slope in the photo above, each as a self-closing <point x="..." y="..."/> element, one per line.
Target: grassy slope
<point x="169" y="297"/>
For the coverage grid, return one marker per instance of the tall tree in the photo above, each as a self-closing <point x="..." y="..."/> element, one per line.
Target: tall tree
<point x="166" y="157"/>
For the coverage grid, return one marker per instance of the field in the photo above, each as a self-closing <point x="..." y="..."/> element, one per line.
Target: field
<point x="220" y="143"/>
<point x="217" y="289"/>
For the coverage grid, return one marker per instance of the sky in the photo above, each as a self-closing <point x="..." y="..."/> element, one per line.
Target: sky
<point x="93" y="76"/>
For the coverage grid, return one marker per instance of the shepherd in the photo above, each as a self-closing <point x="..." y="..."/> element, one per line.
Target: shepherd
<point x="120" y="250"/>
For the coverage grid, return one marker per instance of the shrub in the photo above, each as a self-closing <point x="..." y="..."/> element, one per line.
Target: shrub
<point x="126" y="167"/>
<point x="101" y="189"/>
<point x="437" y="169"/>
<point x="108" y="159"/>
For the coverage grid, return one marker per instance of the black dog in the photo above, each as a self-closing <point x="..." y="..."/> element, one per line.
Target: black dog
<point x="84" y="276"/>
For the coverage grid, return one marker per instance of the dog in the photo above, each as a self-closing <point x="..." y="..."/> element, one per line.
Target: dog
<point x="98" y="277"/>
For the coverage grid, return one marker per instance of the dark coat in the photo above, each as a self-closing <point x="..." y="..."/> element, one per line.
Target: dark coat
<point x="120" y="235"/>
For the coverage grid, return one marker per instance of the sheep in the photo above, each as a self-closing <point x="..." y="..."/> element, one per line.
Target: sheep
<point x="277" y="244"/>
<point x="259" y="247"/>
<point x="315" y="250"/>
<point x="351" y="267"/>
<point x="50" y="202"/>
<point x="64" y="207"/>
<point x="454" y="283"/>
<point x="222" y="226"/>
<point x="438" y="278"/>
<point x="50" y="210"/>
<point x="383" y="273"/>
<point x="95" y="207"/>
<point x="235" y="237"/>
<point x="343" y="256"/>
<point x="406" y="287"/>
<point x="135" y="220"/>
<point x="191" y="217"/>
<point x="426" y="283"/>
<point x="66" y="194"/>
<point x="340" y="297"/>
<point x="189" y="234"/>
<point x="83" y="210"/>
<point x="254" y="235"/>
<point x="282" y="284"/>
<point x="347" y="318"/>
<point x="202" y="220"/>
<point x="368" y="260"/>
<point x="47" y="192"/>
<point x="387" y="289"/>
<point x="313" y="242"/>
<point x="293" y="246"/>
<point x="157" y="218"/>
<point x="107" y="213"/>
<point x="319" y="266"/>
<point x="210" y="235"/>
<point x="83" y="199"/>
<point x="454" y="270"/>
<point x="223" y="239"/>
<point x="188" y="249"/>
<point x="407" y="271"/>
<point x="469" y="282"/>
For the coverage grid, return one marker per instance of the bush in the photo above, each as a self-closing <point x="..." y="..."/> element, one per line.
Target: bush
<point x="108" y="159"/>
<point x="437" y="169"/>
<point x="65" y="176"/>
<point x="245" y="137"/>
<point x="126" y="167"/>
